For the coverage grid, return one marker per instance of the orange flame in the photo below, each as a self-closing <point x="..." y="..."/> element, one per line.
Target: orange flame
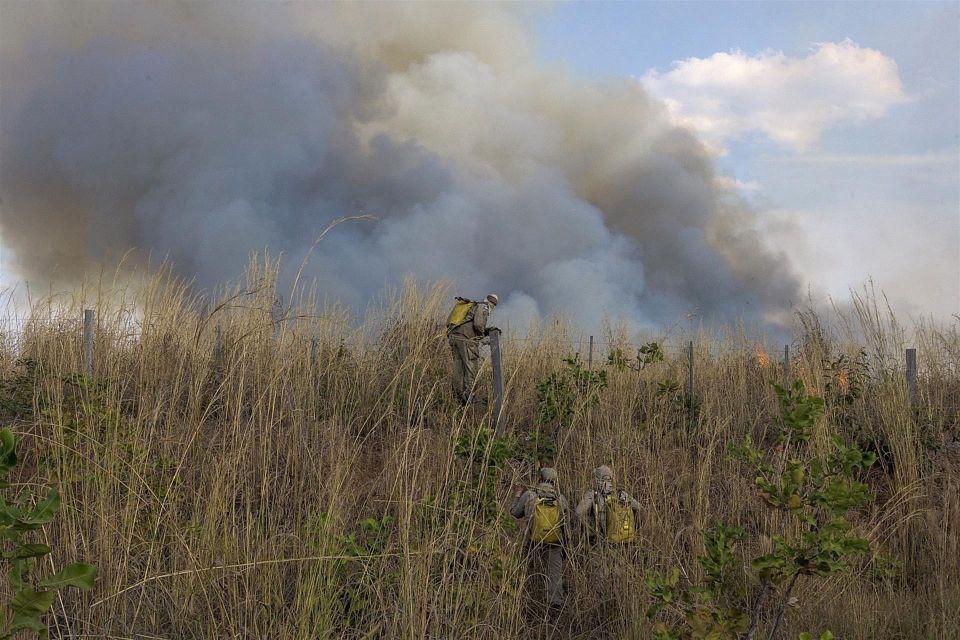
<point x="842" y="380"/>
<point x="763" y="360"/>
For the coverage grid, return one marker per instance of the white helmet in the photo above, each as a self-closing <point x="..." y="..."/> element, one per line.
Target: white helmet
<point x="493" y="299"/>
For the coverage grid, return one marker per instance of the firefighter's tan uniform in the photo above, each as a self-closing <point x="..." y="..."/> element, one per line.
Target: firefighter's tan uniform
<point x="523" y="507"/>
<point x="590" y="510"/>
<point x="465" y="344"/>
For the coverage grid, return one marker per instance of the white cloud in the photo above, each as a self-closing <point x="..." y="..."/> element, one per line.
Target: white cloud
<point x="790" y="100"/>
<point x="730" y="183"/>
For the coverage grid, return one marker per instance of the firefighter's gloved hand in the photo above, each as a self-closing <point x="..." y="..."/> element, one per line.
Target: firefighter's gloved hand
<point x="490" y="330"/>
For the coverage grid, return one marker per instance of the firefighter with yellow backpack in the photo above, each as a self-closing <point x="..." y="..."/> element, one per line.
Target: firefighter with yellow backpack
<point x="545" y="510"/>
<point x="466" y="327"/>
<point x="607" y="513"/>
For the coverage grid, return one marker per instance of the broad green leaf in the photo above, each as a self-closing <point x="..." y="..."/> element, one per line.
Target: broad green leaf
<point x="8" y="447"/>
<point x="9" y="514"/>
<point x="45" y="509"/>
<point x="78" y="574"/>
<point x="23" y="622"/>
<point x="16" y="574"/>
<point x="29" y="602"/>
<point x="31" y="550"/>
<point x="768" y="561"/>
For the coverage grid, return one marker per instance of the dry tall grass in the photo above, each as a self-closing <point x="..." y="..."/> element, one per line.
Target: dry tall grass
<point x="230" y="474"/>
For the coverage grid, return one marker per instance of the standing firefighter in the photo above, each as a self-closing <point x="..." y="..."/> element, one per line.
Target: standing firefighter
<point x="607" y="513"/>
<point x="466" y="326"/>
<point x="545" y="510"/>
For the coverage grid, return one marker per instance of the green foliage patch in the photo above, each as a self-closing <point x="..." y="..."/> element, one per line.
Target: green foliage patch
<point x="813" y="496"/>
<point x="32" y="597"/>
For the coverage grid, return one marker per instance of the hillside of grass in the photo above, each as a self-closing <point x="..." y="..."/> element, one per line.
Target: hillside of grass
<point x="241" y="469"/>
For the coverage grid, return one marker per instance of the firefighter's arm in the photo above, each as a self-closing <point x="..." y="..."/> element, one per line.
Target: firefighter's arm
<point x="519" y="507"/>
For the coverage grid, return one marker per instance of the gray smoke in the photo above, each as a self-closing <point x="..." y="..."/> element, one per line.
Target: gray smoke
<point x="201" y="133"/>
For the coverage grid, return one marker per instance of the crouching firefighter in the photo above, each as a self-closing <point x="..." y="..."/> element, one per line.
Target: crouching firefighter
<point x="466" y="327"/>
<point x="545" y="510"/>
<point x="607" y="513"/>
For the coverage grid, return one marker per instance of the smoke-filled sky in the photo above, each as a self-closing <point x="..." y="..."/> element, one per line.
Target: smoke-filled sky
<point x="202" y="132"/>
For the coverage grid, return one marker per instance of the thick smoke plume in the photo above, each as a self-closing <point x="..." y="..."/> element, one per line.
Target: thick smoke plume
<point x="202" y="132"/>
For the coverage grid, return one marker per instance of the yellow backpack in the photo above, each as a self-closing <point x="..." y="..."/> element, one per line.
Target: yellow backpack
<point x="461" y="310"/>
<point x="546" y="521"/>
<point x="620" y="527"/>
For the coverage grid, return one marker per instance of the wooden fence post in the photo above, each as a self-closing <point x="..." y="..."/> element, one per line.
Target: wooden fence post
<point x="590" y="356"/>
<point x="497" y="362"/>
<point x="912" y="375"/>
<point x="88" y="342"/>
<point x="786" y="366"/>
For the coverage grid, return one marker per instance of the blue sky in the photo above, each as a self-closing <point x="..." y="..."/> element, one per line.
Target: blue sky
<point x="870" y="197"/>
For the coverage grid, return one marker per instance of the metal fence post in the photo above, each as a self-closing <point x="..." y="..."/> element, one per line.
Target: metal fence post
<point x="912" y="374"/>
<point x="88" y="342"/>
<point x="497" y="362"/>
<point x="590" y="356"/>
<point x="786" y="366"/>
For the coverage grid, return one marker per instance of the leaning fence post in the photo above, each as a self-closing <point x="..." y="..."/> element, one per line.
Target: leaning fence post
<point x="497" y="362"/>
<point x="912" y="374"/>
<point x="786" y="366"/>
<point x="590" y="356"/>
<point x="88" y="342"/>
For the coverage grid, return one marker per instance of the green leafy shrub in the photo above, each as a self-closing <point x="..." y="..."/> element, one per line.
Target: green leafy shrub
<point x="31" y="598"/>
<point x="537" y="447"/>
<point x="847" y="380"/>
<point x="708" y="610"/>
<point x="649" y="353"/>
<point x="812" y="494"/>
<point x="565" y="393"/>
<point x="679" y="405"/>
<point x="485" y="453"/>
